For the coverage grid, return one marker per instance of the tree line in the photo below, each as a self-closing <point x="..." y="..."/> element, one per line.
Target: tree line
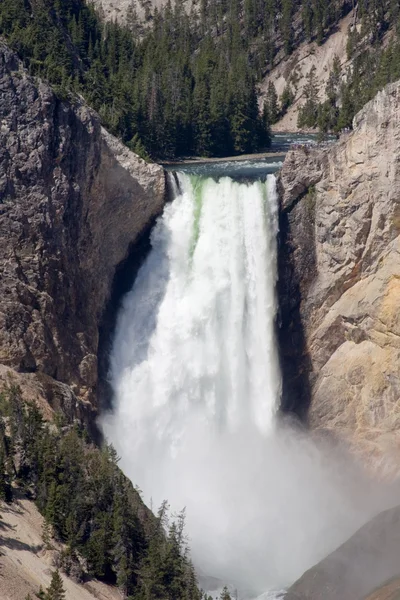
<point x="187" y="84"/>
<point x="55" y="591"/>
<point x="174" y="92"/>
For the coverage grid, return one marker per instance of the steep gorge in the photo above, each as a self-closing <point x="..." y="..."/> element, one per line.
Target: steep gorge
<point x="73" y="202"/>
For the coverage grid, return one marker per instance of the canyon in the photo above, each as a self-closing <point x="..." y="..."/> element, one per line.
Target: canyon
<point x="293" y="71"/>
<point x="75" y="205"/>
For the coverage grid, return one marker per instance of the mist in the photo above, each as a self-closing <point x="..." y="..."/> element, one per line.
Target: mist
<point x="196" y="381"/>
<point x="261" y="509"/>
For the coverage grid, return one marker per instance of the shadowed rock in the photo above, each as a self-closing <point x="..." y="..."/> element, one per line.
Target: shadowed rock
<point x="73" y="201"/>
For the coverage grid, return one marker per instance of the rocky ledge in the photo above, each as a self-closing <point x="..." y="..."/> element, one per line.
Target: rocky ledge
<point x="73" y="201"/>
<point x="340" y="283"/>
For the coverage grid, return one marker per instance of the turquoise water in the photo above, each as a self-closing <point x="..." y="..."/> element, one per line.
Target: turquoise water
<point x="257" y="168"/>
<point x="248" y="167"/>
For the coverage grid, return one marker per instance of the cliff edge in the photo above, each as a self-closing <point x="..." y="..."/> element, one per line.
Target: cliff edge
<point x="73" y="200"/>
<point x="340" y="283"/>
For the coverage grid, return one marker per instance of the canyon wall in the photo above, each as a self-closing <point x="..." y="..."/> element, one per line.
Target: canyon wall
<point x="340" y="283"/>
<point x="293" y="70"/>
<point x="73" y="201"/>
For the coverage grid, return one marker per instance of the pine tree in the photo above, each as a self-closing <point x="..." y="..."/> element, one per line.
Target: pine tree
<point x="203" y="125"/>
<point x="286" y="99"/>
<point x="333" y="83"/>
<point x="287" y="24"/>
<point x="56" y="589"/>
<point x="272" y="103"/>
<point x="308" y="114"/>
<point x="46" y="534"/>
<point x="219" y="111"/>
<point x="328" y="111"/>
<point x="250" y="18"/>
<point x="41" y="594"/>
<point x="320" y="8"/>
<point x="225" y="595"/>
<point x="266" y="126"/>
<point x="346" y="112"/>
<point x="307" y="18"/>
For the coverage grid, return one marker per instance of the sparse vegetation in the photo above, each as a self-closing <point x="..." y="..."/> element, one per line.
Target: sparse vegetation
<point x="373" y="65"/>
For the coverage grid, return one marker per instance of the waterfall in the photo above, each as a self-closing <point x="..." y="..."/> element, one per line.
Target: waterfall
<point x="196" y="382"/>
<point x="194" y="364"/>
<point x="195" y="338"/>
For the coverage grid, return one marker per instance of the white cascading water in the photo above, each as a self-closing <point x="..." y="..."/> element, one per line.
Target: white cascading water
<point x="196" y="380"/>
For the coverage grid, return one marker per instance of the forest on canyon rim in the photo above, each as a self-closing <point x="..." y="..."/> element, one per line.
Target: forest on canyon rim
<point x="187" y="84"/>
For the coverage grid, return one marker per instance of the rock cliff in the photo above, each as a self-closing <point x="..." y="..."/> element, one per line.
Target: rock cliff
<point x="340" y="282"/>
<point x="73" y="201"/>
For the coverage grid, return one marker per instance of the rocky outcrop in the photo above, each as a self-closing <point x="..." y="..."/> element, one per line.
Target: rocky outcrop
<point x="340" y="282"/>
<point x="389" y="591"/>
<point x="26" y="563"/>
<point x="73" y="200"/>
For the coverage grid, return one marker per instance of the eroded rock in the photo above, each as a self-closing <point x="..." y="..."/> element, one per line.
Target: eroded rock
<point x="73" y="200"/>
<point x="367" y="560"/>
<point x="341" y="208"/>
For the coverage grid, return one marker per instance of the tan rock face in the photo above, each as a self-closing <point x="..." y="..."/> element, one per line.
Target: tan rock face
<point x="348" y="304"/>
<point x="25" y="562"/>
<point x="73" y="200"/>
<point x="118" y="10"/>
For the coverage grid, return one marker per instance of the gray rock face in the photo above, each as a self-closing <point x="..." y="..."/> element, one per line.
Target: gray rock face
<point x="340" y="282"/>
<point x="73" y="200"/>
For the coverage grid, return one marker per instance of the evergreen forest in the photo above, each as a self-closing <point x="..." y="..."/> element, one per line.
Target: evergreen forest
<point x="91" y="507"/>
<point x="179" y="89"/>
<point x="187" y="83"/>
